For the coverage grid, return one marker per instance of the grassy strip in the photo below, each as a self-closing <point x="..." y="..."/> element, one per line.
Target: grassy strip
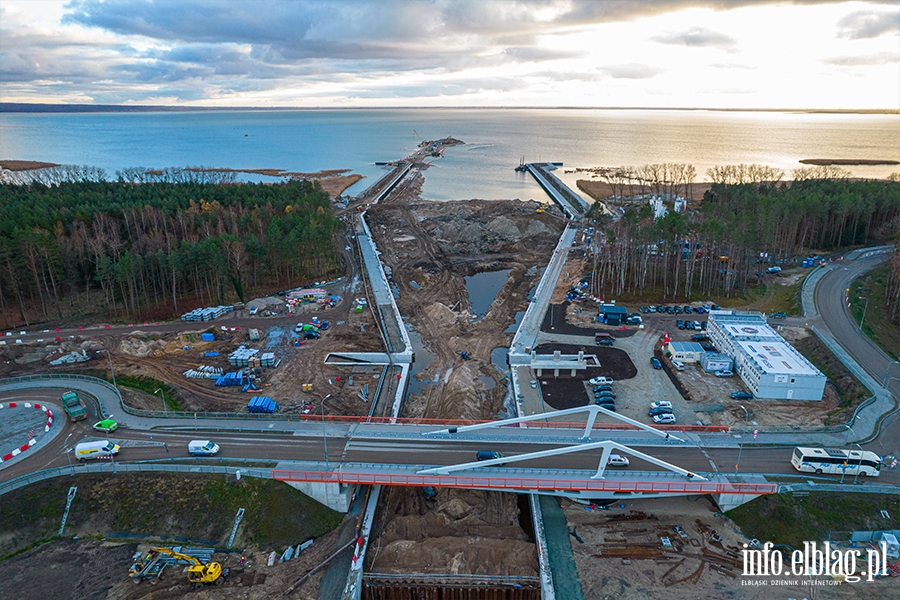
<point x="150" y="385"/>
<point x="867" y="297"/>
<point x="792" y="520"/>
<point x="164" y="505"/>
<point x="848" y="386"/>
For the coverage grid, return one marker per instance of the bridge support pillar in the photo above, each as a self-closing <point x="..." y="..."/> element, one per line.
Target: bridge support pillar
<point x="335" y="496"/>
<point x="728" y="501"/>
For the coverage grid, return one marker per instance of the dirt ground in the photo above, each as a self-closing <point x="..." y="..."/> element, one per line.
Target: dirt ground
<point x="95" y="570"/>
<point x="621" y="554"/>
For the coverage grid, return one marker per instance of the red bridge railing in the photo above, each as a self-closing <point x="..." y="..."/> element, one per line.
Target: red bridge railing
<point x="525" y="483"/>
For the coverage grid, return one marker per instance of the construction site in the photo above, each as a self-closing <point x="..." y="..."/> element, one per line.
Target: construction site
<point x="462" y="273"/>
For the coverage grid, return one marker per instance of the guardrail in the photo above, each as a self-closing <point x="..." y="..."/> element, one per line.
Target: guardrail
<point x="867" y="488"/>
<point x="109" y="467"/>
<point x="13" y="383"/>
<point x="524" y="483"/>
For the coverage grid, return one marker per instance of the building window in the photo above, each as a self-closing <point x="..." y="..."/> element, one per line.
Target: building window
<point x="792" y="380"/>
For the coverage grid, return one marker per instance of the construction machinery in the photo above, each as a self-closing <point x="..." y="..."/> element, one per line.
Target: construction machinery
<point x="543" y="207"/>
<point x="152" y="565"/>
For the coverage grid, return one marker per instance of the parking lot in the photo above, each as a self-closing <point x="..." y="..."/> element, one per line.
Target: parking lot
<point x="708" y="400"/>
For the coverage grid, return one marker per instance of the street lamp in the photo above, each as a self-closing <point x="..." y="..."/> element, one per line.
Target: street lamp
<point x="111" y="370"/>
<point x="884" y="378"/>
<point x="746" y="412"/>
<point x="859" y="464"/>
<point x="66" y="450"/>
<point x="163" y="398"/>
<point x="864" y="311"/>
<point x="324" y="437"/>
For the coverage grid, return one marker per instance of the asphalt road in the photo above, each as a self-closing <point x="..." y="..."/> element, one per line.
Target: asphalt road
<point x="831" y="302"/>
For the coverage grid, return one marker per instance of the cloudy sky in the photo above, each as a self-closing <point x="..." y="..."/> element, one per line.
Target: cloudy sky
<point x="640" y="53"/>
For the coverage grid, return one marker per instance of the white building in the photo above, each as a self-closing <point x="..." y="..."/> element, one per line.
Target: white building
<point x="769" y="366"/>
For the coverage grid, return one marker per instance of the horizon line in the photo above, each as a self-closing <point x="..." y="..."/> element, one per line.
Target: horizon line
<point x="25" y="107"/>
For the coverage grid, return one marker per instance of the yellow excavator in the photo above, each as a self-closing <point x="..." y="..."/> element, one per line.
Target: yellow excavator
<point x="151" y="566"/>
<point x="543" y="207"/>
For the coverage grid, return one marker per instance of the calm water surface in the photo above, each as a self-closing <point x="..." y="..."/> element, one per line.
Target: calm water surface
<point x="311" y="140"/>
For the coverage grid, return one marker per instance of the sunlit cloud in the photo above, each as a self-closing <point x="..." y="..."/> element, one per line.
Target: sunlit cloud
<point x="451" y="52"/>
<point x="866" y="24"/>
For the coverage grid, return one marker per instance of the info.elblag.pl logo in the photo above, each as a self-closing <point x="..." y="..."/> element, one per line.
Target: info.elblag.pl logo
<point x="813" y="561"/>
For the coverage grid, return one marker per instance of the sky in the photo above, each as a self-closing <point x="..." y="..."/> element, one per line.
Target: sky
<point x="754" y="54"/>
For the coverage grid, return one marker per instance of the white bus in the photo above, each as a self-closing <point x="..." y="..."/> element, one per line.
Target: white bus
<point x="826" y="460"/>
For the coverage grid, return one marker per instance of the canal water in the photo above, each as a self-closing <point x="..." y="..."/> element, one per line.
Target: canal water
<point x="423" y="359"/>
<point x="483" y="289"/>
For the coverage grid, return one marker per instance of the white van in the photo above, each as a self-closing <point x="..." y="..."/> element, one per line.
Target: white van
<point x="678" y="365"/>
<point x="101" y="449"/>
<point x="202" y="448"/>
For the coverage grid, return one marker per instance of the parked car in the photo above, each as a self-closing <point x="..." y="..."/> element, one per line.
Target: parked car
<point x="600" y="380"/>
<point x="635" y="320"/>
<point x="611" y="406"/>
<point x="617" y="460"/>
<point x="699" y="337"/>
<point x="670" y="310"/>
<point x="605" y="342"/>
<point x="660" y="308"/>
<point x="666" y="419"/>
<point x="678" y="310"/>
<point x="742" y="395"/>
<point x="534" y="383"/>
<point x="661" y="403"/>
<point x="106" y="425"/>
<point x="704" y="325"/>
<point x="679" y="324"/>
<point x="725" y="373"/>
<point x="697" y="325"/>
<point x="715" y="307"/>
<point x="654" y="362"/>
<point x="679" y="366"/>
<point x="599" y="395"/>
<point x="688" y="325"/>
<point x="707" y="347"/>
<point x="660" y="410"/>
<point x="651" y="309"/>
<point x="777" y="315"/>
<point x="602" y="388"/>
<point x="700" y="310"/>
<point x="644" y="309"/>
<point x="775" y="269"/>
<point x="325" y="325"/>
<point x="311" y="335"/>
<point x="688" y="309"/>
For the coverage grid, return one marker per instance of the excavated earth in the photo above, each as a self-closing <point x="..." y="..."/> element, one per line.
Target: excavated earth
<point x="430" y="247"/>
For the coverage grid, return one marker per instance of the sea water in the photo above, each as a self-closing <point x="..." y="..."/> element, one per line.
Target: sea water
<point x="495" y="141"/>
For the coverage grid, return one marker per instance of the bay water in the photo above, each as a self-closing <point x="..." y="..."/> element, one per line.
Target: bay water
<point x="495" y="141"/>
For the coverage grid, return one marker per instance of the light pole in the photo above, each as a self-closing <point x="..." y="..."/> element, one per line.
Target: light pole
<point x="884" y="378"/>
<point x="66" y="450"/>
<point x="746" y="412"/>
<point x="740" y="449"/>
<point x="324" y="437"/>
<point x="865" y="308"/>
<point x="163" y="398"/>
<point x="111" y="370"/>
<point x="859" y="464"/>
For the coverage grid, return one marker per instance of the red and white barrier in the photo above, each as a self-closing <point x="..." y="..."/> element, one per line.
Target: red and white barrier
<point x="31" y="441"/>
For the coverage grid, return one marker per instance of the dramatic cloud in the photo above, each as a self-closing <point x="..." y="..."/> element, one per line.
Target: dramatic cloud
<point x="862" y="25"/>
<point x="425" y="52"/>
<point x="697" y="37"/>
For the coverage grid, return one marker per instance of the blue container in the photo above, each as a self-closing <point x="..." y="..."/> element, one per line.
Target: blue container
<point x="208" y="337"/>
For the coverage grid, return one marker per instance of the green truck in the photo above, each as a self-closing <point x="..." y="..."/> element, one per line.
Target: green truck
<point x="74" y="406"/>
